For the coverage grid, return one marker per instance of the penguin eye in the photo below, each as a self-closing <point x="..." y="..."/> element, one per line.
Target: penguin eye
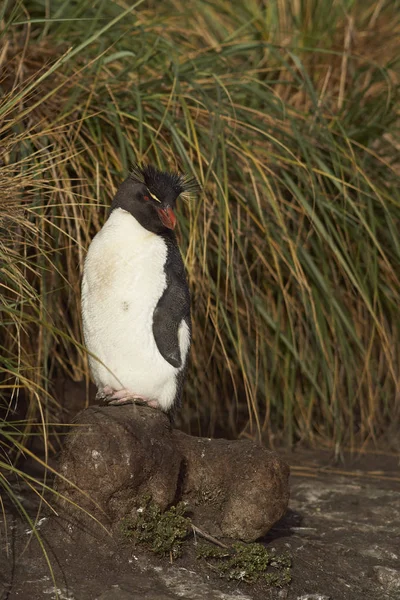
<point x="146" y="198"/>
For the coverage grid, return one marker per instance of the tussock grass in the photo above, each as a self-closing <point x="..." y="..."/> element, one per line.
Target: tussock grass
<point x="288" y="117"/>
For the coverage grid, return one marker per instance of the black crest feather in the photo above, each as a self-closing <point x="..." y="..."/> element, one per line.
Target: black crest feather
<point x="162" y="182"/>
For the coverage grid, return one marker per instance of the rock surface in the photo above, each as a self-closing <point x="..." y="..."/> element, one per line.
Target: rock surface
<point x="116" y="455"/>
<point x="342" y="530"/>
<point x="389" y="578"/>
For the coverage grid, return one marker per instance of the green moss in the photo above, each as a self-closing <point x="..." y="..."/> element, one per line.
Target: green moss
<point x="206" y="551"/>
<point x="161" y="532"/>
<point x="165" y="532"/>
<point x="249" y="563"/>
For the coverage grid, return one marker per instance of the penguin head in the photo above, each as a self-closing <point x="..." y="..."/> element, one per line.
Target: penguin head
<point x="150" y="196"/>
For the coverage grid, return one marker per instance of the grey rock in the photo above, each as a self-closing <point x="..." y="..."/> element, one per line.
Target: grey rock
<point x="378" y="552"/>
<point x="115" y="593"/>
<point x="388" y="578"/>
<point x="313" y="597"/>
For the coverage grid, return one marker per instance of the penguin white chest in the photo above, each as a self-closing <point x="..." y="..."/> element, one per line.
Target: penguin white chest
<point x="123" y="280"/>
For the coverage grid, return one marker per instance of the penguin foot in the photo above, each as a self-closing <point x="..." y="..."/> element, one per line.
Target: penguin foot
<point x="103" y="394"/>
<point x="124" y="396"/>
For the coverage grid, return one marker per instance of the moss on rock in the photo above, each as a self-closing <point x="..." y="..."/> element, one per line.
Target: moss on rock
<point x="249" y="563"/>
<point x="161" y="532"/>
<point x="165" y="532"/>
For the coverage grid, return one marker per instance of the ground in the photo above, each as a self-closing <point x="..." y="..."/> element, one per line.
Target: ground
<point x="342" y="529"/>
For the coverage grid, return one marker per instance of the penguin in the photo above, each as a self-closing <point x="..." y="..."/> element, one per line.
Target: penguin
<point x="135" y="295"/>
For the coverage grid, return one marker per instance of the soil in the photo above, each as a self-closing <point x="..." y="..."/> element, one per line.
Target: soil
<point x="342" y="530"/>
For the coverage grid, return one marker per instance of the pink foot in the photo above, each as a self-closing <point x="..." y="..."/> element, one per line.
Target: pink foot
<point x="125" y="396"/>
<point x="104" y="393"/>
<point x="153" y="404"/>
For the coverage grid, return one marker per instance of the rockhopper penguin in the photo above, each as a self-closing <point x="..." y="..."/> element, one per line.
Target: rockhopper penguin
<point x="135" y="296"/>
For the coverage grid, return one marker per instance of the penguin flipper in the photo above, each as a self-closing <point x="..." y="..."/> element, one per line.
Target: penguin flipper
<point x="165" y="331"/>
<point x="172" y="310"/>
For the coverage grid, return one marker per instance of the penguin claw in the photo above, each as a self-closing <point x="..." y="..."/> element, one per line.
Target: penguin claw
<point x="103" y="394"/>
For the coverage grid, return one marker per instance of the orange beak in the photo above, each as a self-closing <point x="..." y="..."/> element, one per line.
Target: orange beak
<point x="167" y="217"/>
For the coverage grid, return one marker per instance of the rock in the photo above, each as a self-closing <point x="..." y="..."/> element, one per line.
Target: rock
<point x="116" y="594"/>
<point x="118" y="454"/>
<point x="388" y="578"/>
<point x="236" y="489"/>
<point x="376" y="551"/>
<point x="313" y="597"/>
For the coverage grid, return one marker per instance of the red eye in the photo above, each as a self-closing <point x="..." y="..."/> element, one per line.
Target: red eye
<point x="146" y="198"/>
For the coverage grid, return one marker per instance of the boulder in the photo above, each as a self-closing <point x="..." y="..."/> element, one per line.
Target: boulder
<point x="236" y="489"/>
<point x="116" y="455"/>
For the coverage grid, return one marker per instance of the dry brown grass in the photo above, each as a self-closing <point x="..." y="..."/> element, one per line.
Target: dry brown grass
<point x="287" y="116"/>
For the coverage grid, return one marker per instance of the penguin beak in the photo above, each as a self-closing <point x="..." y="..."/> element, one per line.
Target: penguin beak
<point x="167" y="217"/>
